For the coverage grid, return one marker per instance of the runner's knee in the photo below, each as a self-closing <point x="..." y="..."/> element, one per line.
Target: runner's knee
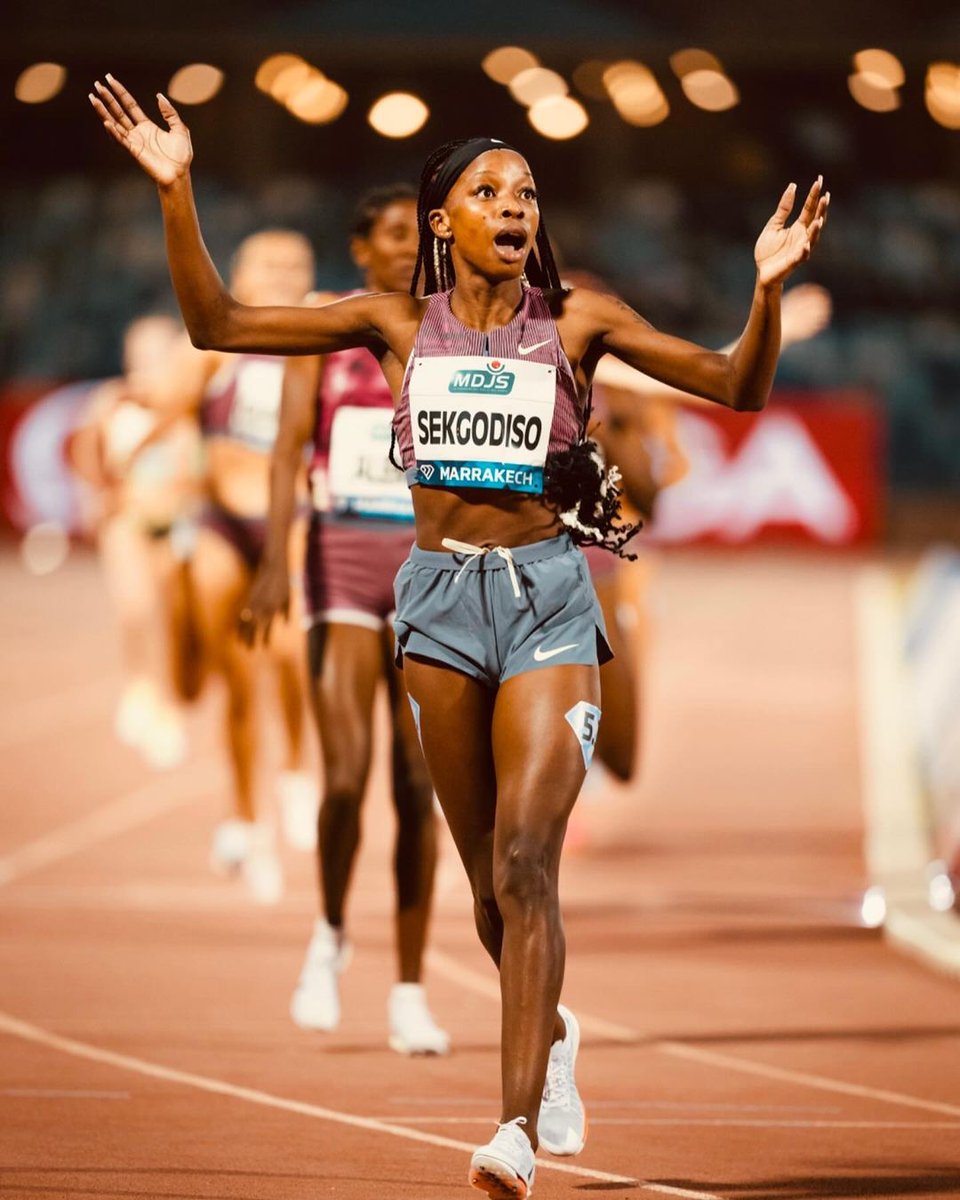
<point x="524" y="874"/>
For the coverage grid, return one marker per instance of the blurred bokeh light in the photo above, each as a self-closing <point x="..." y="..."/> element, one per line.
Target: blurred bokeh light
<point x="398" y="115"/>
<point x="558" y="117"/>
<point x="39" y="83"/>
<point x="195" y="84"/>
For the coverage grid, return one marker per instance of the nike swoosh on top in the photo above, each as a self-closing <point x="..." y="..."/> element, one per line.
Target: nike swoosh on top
<point x="530" y="349"/>
<point x="542" y="655"/>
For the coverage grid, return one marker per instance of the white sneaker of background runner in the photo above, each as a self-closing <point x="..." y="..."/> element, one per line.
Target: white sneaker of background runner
<point x="562" y="1124"/>
<point x="299" y="799"/>
<point x="506" y="1165"/>
<point x="261" y="870"/>
<point x="316" y="1002"/>
<point x="412" y="1027"/>
<point x="230" y="846"/>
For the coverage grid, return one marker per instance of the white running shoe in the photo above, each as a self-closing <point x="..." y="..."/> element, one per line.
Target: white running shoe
<point x="562" y="1124"/>
<point x="316" y="1002"/>
<point x="504" y="1168"/>
<point x="261" y="869"/>
<point x="412" y="1027"/>
<point x="165" y="745"/>
<point x="230" y="846"/>
<point x="299" y="799"/>
<point x="135" y="713"/>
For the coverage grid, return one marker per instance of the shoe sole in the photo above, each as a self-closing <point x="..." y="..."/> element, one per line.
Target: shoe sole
<point x="586" y="1123"/>
<point x="490" y="1177"/>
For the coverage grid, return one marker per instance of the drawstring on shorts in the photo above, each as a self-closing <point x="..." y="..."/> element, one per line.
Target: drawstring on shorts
<point x="475" y="552"/>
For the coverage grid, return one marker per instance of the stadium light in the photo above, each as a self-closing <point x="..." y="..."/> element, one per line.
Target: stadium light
<point x="873" y="94"/>
<point x="636" y="94"/>
<point x="710" y="90"/>
<point x="39" y="83"/>
<point x="884" y="67"/>
<point x="558" y="117"/>
<point x="319" y="101"/>
<point x="195" y="84"/>
<point x="271" y="67"/>
<point x="505" y="63"/>
<point x="537" y="83"/>
<point x="685" y="62"/>
<point x="398" y="115"/>
<point x="942" y="94"/>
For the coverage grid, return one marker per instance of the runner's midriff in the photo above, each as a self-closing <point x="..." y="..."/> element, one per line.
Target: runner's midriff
<point x="482" y="517"/>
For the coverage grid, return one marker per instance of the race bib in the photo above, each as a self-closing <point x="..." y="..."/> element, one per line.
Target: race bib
<point x="361" y="478"/>
<point x="481" y="422"/>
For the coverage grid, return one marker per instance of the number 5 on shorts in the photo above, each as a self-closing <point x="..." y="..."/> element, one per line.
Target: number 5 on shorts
<point x="584" y="720"/>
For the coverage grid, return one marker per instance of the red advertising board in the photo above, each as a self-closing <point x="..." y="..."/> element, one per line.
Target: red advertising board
<point x="809" y="468"/>
<point x="35" y="482"/>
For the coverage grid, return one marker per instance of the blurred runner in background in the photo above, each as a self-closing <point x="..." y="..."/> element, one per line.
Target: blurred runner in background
<point x="360" y="534"/>
<point x="237" y="400"/>
<point x="144" y="463"/>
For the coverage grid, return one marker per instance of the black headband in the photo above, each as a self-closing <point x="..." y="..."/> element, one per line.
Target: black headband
<point x="456" y="164"/>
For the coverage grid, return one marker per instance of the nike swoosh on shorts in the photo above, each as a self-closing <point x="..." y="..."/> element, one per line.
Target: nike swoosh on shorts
<point x="542" y="655"/>
<point x="535" y="346"/>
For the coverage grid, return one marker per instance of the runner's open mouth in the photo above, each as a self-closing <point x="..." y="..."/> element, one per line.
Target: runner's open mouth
<point x="511" y="239"/>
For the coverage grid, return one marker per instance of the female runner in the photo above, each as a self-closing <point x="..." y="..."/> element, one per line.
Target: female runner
<point x="145" y="464"/>
<point x="237" y="401"/>
<point x="497" y="621"/>
<point x="642" y="441"/>
<point x="360" y="534"/>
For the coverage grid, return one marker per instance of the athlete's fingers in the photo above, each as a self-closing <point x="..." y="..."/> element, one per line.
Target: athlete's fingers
<point x="113" y="106"/>
<point x="126" y="99"/>
<point x="784" y="208"/>
<point x="168" y="112"/>
<point x="809" y="211"/>
<point x="108" y="122"/>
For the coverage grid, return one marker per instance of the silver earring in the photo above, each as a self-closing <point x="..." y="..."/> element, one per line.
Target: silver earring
<point x="437" y="267"/>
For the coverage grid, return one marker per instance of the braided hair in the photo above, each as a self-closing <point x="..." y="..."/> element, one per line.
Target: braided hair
<point x="577" y="484"/>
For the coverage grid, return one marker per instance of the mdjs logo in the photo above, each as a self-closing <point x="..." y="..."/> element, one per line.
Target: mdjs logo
<point x="495" y="379"/>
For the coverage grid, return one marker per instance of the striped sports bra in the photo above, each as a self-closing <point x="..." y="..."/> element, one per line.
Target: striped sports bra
<point x="242" y="401"/>
<point x="487" y="408"/>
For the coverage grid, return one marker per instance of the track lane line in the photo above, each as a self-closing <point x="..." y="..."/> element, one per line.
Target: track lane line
<point x="152" y="799"/>
<point x="747" y="1066"/>
<point x="692" y="1123"/>
<point x="14" y="1027"/>
<point x="466" y="977"/>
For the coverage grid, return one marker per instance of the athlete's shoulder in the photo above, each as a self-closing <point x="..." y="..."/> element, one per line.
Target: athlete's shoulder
<point x="597" y="309"/>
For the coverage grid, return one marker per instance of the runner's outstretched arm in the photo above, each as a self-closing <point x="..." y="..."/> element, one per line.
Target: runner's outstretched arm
<point x="740" y="378"/>
<point x="214" y="319"/>
<point x="804" y="311"/>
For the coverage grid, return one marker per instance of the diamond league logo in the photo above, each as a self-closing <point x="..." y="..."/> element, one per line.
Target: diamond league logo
<point x="426" y="470"/>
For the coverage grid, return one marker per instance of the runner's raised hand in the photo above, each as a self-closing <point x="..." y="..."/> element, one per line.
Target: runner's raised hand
<point x="164" y="154"/>
<point x="782" y="247"/>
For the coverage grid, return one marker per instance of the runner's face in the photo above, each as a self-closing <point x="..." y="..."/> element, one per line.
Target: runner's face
<point x="388" y="253"/>
<point x="273" y="268"/>
<point x="147" y="347"/>
<point x="490" y="216"/>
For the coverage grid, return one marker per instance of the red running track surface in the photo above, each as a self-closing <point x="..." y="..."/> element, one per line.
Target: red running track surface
<point x="743" y="1037"/>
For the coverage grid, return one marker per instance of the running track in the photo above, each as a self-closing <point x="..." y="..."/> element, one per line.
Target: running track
<point x="743" y="1037"/>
